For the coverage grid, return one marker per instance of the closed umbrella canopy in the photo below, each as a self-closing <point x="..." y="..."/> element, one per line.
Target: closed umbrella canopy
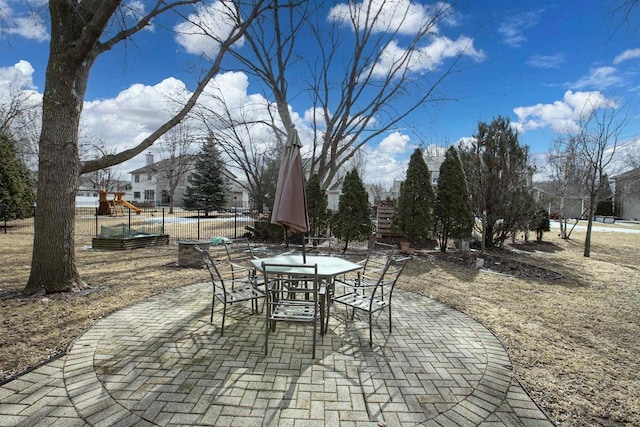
<point x="290" y="205"/>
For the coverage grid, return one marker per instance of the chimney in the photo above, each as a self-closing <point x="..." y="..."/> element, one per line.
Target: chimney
<point x="149" y="159"/>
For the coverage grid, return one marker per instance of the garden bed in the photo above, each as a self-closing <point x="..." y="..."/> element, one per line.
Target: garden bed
<point x="126" y="243"/>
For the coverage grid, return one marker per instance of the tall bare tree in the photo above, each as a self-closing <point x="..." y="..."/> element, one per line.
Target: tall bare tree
<point x="355" y="97"/>
<point x="251" y="143"/>
<point x="567" y="172"/>
<point x="596" y="141"/>
<point x="176" y="154"/>
<point x="81" y="31"/>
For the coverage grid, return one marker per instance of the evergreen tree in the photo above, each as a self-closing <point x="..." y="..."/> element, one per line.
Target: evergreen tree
<point x="317" y="207"/>
<point x="16" y="186"/>
<point x="541" y="223"/>
<point x="353" y="219"/>
<point x="453" y="213"/>
<point x="498" y="176"/>
<point x="604" y="207"/>
<point x="207" y="189"/>
<point x="413" y="212"/>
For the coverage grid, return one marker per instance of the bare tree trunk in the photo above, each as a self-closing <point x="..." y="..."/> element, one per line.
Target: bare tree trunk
<point x="53" y="265"/>
<point x="592" y="209"/>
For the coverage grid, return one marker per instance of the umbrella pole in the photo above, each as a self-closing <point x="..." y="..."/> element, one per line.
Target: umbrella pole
<point x="304" y="252"/>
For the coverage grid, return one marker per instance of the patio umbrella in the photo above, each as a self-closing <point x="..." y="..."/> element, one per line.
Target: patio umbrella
<point x="290" y="204"/>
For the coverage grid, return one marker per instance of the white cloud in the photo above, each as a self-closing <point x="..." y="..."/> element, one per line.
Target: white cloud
<point x="388" y="161"/>
<point x="27" y="24"/>
<point x="402" y="16"/>
<point x="16" y="84"/>
<point x="561" y="116"/>
<point x="203" y="31"/>
<point x="125" y="120"/>
<point x="599" y="78"/>
<point x="626" y="55"/>
<point x="16" y="77"/>
<point x="426" y="58"/>
<point x="547" y="61"/>
<point x="395" y="143"/>
<point x="513" y="27"/>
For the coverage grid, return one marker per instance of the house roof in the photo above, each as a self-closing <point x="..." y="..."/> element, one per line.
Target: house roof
<point x="164" y="164"/>
<point x="633" y="173"/>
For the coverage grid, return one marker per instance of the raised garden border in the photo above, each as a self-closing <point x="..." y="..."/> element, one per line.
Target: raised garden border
<point x="126" y="243"/>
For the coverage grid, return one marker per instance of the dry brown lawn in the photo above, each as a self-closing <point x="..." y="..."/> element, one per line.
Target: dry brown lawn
<point x="574" y="342"/>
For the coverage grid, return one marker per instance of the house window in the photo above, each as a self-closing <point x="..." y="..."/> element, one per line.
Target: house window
<point x="149" y="176"/>
<point x="136" y="195"/>
<point x="136" y="178"/>
<point x="149" y="195"/>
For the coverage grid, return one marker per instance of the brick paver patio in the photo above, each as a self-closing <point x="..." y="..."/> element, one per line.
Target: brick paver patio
<point x="160" y="362"/>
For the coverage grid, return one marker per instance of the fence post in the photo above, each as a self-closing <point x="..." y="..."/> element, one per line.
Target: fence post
<point x="235" y="222"/>
<point x="162" y="231"/>
<point x="198" y="216"/>
<point x="96" y="215"/>
<point x="129" y="221"/>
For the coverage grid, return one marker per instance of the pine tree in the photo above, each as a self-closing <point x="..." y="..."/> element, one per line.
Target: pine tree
<point x="207" y="189"/>
<point x="317" y="207"/>
<point x="541" y="223"/>
<point x="413" y="212"/>
<point x="453" y="213"/>
<point x="16" y="186"/>
<point x="498" y="176"/>
<point x="604" y="207"/>
<point x="353" y="219"/>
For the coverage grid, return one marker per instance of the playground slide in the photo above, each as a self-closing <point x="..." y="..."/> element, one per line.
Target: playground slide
<point x="129" y="206"/>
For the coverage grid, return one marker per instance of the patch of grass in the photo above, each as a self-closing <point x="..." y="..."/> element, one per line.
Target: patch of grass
<point x="574" y="341"/>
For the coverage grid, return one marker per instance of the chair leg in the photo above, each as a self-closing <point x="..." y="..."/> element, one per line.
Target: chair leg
<point x="213" y="303"/>
<point x="224" y="315"/>
<point x="313" y="351"/>
<point x="370" y="331"/>
<point x="322" y="309"/>
<point x="266" y="335"/>
<point x="390" y="318"/>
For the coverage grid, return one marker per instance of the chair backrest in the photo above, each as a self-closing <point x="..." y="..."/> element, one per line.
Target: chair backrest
<point x="385" y="280"/>
<point x="239" y="250"/>
<point x="217" y="278"/>
<point x="292" y="285"/>
<point x="378" y="255"/>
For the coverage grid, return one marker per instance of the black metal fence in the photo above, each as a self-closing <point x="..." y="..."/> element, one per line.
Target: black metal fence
<point x="179" y="225"/>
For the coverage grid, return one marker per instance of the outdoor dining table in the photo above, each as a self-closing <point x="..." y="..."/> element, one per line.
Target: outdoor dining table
<point x="329" y="267"/>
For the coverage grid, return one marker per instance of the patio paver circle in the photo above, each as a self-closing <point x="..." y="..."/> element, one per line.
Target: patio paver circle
<point x="161" y="362"/>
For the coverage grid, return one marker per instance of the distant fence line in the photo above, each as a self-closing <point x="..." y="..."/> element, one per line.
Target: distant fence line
<point x="180" y="225"/>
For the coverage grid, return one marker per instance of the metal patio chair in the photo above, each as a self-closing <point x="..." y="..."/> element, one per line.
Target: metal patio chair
<point x="228" y="288"/>
<point x="294" y="294"/>
<point x="373" y="290"/>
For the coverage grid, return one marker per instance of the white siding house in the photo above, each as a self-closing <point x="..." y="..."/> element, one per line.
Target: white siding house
<point x="149" y="187"/>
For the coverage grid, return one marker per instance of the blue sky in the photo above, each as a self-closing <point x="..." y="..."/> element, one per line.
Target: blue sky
<point x="536" y="62"/>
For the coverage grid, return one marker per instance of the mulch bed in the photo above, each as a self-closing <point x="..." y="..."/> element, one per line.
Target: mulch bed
<point x="496" y="264"/>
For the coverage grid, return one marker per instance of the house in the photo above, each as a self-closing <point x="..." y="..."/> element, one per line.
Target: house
<point x="150" y="186"/>
<point x="548" y="195"/>
<point x="433" y="163"/>
<point x="627" y="195"/>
